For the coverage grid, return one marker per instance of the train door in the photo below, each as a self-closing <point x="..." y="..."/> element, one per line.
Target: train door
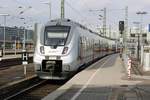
<point x="80" y="50"/>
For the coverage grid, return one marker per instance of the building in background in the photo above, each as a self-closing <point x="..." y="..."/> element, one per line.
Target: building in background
<point x="136" y="40"/>
<point x="14" y="37"/>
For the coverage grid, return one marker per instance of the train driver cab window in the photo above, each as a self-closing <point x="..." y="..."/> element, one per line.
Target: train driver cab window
<point x="56" y="35"/>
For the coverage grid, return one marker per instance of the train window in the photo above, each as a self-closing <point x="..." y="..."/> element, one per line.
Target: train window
<point x="56" y="35"/>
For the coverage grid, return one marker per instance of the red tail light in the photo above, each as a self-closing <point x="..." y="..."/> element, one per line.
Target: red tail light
<point x="65" y="50"/>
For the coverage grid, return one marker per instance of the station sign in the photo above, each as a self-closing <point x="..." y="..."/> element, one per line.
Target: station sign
<point x="25" y="57"/>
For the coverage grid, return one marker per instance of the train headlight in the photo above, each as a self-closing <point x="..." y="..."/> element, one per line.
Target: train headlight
<point x="65" y="50"/>
<point x="42" y="50"/>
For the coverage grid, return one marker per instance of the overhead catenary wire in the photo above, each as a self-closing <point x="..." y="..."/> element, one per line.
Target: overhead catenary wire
<point x="78" y="12"/>
<point x="74" y="9"/>
<point x="94" y="19"/>
<point x="85" y="4"/>
<point x="23" y="6"/>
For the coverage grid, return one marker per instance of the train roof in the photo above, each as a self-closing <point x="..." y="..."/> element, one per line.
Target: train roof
<point x="71" y="23"/>
<point x="68" y="21"/>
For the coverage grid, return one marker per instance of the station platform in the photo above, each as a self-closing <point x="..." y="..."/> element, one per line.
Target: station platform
<point x="103" y="80"/>
<point x="14" y="74"/>
<point x="13" y="56"/>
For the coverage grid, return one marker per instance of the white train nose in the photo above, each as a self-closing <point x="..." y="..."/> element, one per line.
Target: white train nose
<point x="53" y="52"/>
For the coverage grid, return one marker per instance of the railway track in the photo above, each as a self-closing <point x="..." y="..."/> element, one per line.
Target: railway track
<point x="135" y="67"/>
<point x="38" y="91"/>
<point x="33" y="89"/>
<point x="127" y="93"/>
<point x="9" y="90"/>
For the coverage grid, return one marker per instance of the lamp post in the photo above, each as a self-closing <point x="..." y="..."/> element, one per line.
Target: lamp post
<point x="20" y="13"/>
<point x="24" y="40"/>
<point x="4" y="41"/>
<point x="18" y="31"/>
<point x="62" y="9"/>
<point x="141" y="13"/>
<point x="104" y="20"/>
<point x="102" y="17"/>
<point x="138" y="36"/>
<point x="24" y="36"/>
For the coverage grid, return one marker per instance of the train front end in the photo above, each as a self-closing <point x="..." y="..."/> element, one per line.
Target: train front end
<point x="51" y="54"/>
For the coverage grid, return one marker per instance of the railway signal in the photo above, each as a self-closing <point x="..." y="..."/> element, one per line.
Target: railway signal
<point x="121" y="26"/>
<point x="25" y="57"/>
<point x="121" y="29"/>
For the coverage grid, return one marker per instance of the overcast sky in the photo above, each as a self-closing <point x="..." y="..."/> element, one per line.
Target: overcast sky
<point x="77" y="10"/>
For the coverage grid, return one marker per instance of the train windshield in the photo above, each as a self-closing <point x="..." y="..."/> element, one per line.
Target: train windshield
<point x="56" y="35"/>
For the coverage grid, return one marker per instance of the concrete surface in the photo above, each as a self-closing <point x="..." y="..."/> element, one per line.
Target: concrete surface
<point x="15" y="73"/>
<point x="104" y="80"/>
